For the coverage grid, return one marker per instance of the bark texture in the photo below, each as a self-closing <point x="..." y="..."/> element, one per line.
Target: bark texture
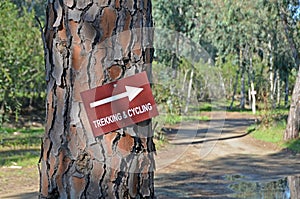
<point x="89" y="43"/>
<point x="294" y="184"/>
<point x="293" y="122"/>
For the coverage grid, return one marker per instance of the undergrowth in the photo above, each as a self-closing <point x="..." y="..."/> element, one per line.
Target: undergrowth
<point x="272" y="127"/>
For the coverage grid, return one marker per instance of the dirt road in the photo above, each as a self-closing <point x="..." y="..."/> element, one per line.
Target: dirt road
<point x="202" y="160"/>
<point x="217" y="164"/>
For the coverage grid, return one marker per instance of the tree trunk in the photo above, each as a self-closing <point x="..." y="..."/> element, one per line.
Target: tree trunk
<point x="174" y="60"/>
<point x="294" y="185"/>
<point x="243" y="88"/>
<point x="81" y="54"/>
<point x="286" y="90"/>
<point x="235" y="88"/>
<point x="184" y="80"/>
<point x="271" y="70"/>
<point x="189" y="93"/>
<point x="275" y="77"/>
<point x="278" y="88"/>
<point x="293" y="122"/>
<point x="252" y="92"/>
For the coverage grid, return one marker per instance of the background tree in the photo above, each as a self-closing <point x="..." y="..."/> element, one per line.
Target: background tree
<point x="88" y="44"/>
<point x="38" y="6"/>
<point x="294" y="183"/>
<point x="21" y="67"/>
<point x="256" y="42"/>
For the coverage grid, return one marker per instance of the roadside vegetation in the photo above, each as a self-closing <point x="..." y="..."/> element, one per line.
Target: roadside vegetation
<point x="271" y="128"/>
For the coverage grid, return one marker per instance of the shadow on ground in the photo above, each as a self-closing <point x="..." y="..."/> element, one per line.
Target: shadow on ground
<point x="31" y="195"/>
<point x="214" y="179"/>
<point x="239" y="165"/>
<point x="209" y="131"/>
<point x="15" y="155"/>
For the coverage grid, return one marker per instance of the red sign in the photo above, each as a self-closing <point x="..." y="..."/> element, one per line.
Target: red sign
<point x="119" y="104"/>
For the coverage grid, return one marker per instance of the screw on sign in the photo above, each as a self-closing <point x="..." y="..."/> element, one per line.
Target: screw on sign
<point x="119" y="104"/>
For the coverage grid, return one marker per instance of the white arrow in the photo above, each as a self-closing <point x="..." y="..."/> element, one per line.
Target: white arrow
<point x="131" y="93"/>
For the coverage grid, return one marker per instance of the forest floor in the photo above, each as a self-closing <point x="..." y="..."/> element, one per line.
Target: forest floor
<point x="206" y="159"/>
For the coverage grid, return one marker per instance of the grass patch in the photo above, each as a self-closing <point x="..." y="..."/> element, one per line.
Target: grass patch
<point x="209" y="106"/>
<point x="273" y="117"/>
<point x="20" y="157"/>
<point x="293" y="145"/>
<point x="272" y="134"/>
<point x="20" y="146"/>
<point x="275" y="135"/>
<point x="16" y="138"/>
<point x="272" y="128"/>
<point x="171" y="119"/>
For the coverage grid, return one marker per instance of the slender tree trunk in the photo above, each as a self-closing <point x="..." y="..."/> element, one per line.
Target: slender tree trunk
<point x="286" y="90"/>
<point x="174" y="60"/>
<point x="251" y="87"/>
<point x="243" y="88"/>
<point x="271" y="79"/>
<point x="174" y="66"/>
<point x="235" y="88"/>
<point x="249" y="79"/>
<point x="87" y="44"/>
<point x="275" y="78"/>
<point x="189" y="94"/>
<point x="271" y="70"/>
<point x="278" y="88"/>
<point x="249" y="94"/>
<point x="184" y="80"/>
<point x="236" y="79"/>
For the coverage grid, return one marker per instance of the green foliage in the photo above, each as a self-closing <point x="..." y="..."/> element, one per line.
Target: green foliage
<point x="21" y="55"/>
<point x="38" y="6"/>
<point x="228" y="69"/>
<point x="273" y="117"/>
<point x="166" y="91"/>
<point x="245" y="38"/>
<point x="272" y="128"/>
<point x="177" y="15"/>
<point x="293" y="145"/>
<point x="272" y="134"/>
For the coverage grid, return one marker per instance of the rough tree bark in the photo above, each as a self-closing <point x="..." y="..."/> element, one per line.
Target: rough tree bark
<point x="88" y="44"/>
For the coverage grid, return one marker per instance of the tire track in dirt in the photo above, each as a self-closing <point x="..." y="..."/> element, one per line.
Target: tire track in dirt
<point x="200" y="167"/>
